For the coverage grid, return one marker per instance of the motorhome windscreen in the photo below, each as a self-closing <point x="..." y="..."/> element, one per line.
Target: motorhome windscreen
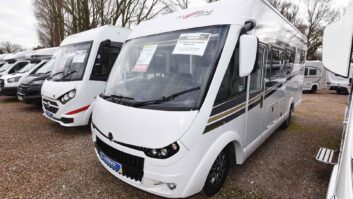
<point x="47" y="68"/>
<point x="5" y="67"/>
<point x="71" y="62"/>
<point x="27" y="68"/>
<point x="169" y="71"/>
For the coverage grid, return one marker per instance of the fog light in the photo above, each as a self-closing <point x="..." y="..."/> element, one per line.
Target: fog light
<point x="171" y="186"/>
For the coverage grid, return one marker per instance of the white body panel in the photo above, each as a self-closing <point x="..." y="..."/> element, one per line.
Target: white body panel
<point x="339" y="83"/>
<point x="317" y="80"/>
<point x="203" y="134"/>
<point x="86" y="89"/>
<point x="337" y="52"/>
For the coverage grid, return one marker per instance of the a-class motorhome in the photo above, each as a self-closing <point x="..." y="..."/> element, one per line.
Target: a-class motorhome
<point x="337" y="53"/>
<point x="81" y="70"/>
<point x="315" y="76"/>
<point x="340" y="84"/>
<point x="197" y="90"/>
<point x="29" y="90"/>
<point x="36" y="60"/>
<point x="14" y="63"/>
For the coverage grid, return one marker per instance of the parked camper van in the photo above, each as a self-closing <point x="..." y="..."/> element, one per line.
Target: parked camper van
<point x="315" y="76"/>
<point x="36" y="60"/>
<point x="29" y="90"/>
<point x="340" y="84"/>
<point x="81" y="70"/>
<point x="14" y="63"/>
<point x="337" y="53"/>
<point x="191" y="93"/>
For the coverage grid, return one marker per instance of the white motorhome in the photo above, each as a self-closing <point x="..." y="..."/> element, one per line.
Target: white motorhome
<point x="82" y="67"/>
<point x="15" y="62"/>
<point x="2" y="60"/>
<point x="337" y="53"/>
<point x="315" y="76"/>
<point x="195" y="91"/>
<point x="340" y="84"/>
<point x="36" y="60"/>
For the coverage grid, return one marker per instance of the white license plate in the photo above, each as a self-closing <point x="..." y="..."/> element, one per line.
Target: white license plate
<point x="49" y="114"/>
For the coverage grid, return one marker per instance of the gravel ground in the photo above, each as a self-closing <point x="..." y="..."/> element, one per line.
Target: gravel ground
<point x="40" y="159"/>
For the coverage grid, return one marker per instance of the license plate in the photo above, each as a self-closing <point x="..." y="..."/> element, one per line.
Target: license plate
<point x="49" y="114"/>
<point x="20" y="98"/>
<point x="111" y="163"/>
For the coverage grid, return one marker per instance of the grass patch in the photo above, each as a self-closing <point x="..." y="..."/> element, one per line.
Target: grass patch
<point x="299" y="128"/>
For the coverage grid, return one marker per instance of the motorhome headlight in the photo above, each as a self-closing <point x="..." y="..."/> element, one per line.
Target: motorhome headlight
<point x="14" y="79"/>
<point x="163" y="153"/>
<point x="67" y="96"/>
<point x="37" y="82"/>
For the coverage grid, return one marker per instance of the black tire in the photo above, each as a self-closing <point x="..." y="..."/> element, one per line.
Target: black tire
<point x="338" y="91"/>
<point x="314" y="89"/>
<point x="217" y="174"/>
<point x="286" y="123"/>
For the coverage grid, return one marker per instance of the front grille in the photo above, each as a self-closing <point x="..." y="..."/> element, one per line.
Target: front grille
<point x="22" y="89"/>
<point x="132" y="166"/>
<point x="50" y="106"/>
<point x="2" y="83"/>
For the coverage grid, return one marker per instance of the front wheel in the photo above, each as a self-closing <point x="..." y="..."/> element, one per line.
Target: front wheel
<point x="286" y="123"/>
<point x="217" y="175"/>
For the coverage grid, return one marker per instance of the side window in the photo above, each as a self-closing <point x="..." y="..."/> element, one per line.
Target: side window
<point x="104" y="62"/>
<point x="289" y="62"/>
<point x="306" y="72"/>
<point x="232" y="85"/>
<point x="276" y="63"/>
<point x="302" y="56"/>
<point x="312" y="72"/>
<point x="18" y="67"/>
<point x="256" y="77"/>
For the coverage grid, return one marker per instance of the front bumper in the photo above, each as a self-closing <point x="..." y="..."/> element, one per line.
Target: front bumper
<point x="157" y="175"/>
<point x="29" y="94"/>
<point x="8" y="91"/>
<point x="54" y="111"/>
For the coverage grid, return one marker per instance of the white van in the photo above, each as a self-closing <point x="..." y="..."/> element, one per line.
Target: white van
<point x="340" y="84"/>
<point x="315" y="76"/>
<point x="337" y="53"/>
<point x="37" y="59"/>
<point x="197" y="90"/>
<point x="14" y="63"/>
<point x="82" y="67"/>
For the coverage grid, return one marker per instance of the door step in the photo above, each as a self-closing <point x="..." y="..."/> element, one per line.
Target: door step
<point x="327" y="156"/>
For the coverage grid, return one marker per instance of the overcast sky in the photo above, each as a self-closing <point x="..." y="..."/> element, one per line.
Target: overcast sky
<point x="18" y="24"/>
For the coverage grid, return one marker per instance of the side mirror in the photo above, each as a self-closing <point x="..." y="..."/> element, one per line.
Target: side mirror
<point x="247" y="54"/>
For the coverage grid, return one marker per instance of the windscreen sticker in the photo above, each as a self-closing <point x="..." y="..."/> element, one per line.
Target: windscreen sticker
<point x="192" y="44"/>
<point x="145" y="58"/>
<point x="80" y="56"/>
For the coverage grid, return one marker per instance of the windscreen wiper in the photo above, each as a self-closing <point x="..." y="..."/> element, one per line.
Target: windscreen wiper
<point x="68" y="74"/>
<point x="51" y="77"/>
<point x="116" y="97"/>
<point x="164" y="98"/>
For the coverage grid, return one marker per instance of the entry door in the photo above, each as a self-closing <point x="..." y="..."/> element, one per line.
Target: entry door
<point x="255" y="89"/>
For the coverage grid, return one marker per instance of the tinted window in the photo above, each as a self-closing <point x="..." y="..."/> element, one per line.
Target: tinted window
<point x="276" y="63"/>
<point x="312" y="72"/>
<point x="302" y="56"/>
<point x="306" y="72"/>
<point x="256" y="76"/>
<point x="104" y="62"/>
<point x="232" y="85"/>
<point x="18" y="67"/>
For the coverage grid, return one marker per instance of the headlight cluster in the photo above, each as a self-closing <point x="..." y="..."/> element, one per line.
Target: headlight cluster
<point x="14" y="79"/>
<point x="67" y="96"/>
<point x="163" y="153"/>
<point x="37" y="82"/>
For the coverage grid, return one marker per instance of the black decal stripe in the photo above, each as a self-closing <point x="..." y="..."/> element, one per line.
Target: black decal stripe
<point x="219" y="123"/>
<point x="228" y="105"/>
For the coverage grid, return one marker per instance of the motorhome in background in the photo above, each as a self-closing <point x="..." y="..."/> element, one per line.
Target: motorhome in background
<point x="337" y="53"/>
<point x="29" y="90"/>
<point x="340" y="84"/>
<point x="195" y="91"/>
<point x="36" y="60"/>
<point x="315" y="76"/>
<point x="15" y="62"/>
<point x="2" y="60"/>
<point x="80" y="73"/>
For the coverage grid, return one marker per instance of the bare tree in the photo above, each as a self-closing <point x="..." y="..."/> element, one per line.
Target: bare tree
<point x="320" y="14"/>
<point x="8" y="47"/>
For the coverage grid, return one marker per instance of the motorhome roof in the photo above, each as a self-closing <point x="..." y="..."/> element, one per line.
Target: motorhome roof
<point x="18" y="56"/>
<point x="113" y="33"/>
<point x="45" y="53"/>
<point x="225" y="12"/>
